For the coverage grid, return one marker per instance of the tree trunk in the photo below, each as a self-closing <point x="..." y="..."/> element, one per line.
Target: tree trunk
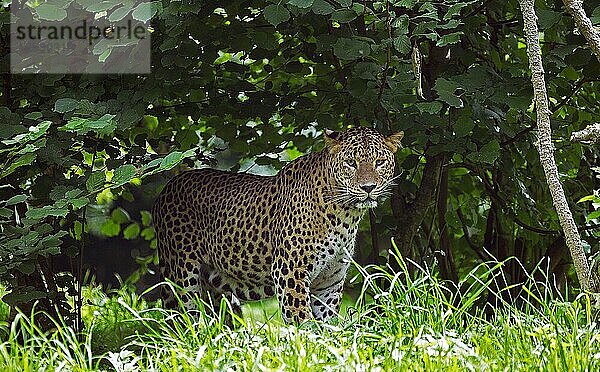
<point x="409" y="216"/>
<point x="587" y="279"/>
<point x="444" y="252"/>
<point x="374" y="254"/>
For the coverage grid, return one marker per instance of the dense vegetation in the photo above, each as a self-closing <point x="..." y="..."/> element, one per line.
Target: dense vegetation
<point x="414" y="325"/>
<point x="247" y="86"/>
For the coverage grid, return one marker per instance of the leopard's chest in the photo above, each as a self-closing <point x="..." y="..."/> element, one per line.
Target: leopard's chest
<point x="336" y="246"/>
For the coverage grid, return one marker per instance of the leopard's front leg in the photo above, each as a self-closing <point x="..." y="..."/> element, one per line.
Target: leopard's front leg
<point x="326" y="289"/>
<point x="293" y="288"/>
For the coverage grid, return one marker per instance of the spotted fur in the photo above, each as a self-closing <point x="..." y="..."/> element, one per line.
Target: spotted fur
<point x="249" y="237"/>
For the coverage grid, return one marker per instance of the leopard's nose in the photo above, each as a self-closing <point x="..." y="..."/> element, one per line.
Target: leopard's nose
<point x="368" y="187"/>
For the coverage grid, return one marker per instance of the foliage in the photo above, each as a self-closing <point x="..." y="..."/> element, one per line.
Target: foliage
<point x="412" y="324"/>
<point x="249" y="86"/>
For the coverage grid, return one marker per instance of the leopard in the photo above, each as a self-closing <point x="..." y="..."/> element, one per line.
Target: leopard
<point x="247" y="237"/>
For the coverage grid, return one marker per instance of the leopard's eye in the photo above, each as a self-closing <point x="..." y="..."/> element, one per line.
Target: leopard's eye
<point x="351" y="163"/>
<point x="379" y="163"/>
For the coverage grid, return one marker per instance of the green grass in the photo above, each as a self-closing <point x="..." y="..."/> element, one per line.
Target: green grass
<point x="410" y="324"/>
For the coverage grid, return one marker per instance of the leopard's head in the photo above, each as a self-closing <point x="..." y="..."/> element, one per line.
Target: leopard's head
<point x="362" y="164"/>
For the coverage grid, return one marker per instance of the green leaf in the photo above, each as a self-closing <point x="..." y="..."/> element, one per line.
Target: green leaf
<point x="433" y="107"/>
<point x="46" y="211"/>
<point x="27" y="267"/>
<point x="487" y="154"/>
<point x="120" y="13"/>
<point x="104" y="55"/>
<point x="490" y="152"/>
<point x="63" y="105"/>
<point x="276" y="14"/>
<point x="351" y="49"/>
<point x="173" y="159"/>
<point x="547" y="18"/>
<point x="145" y="11"/>
<point x="123" y="175"/>
<point x="366" y="70"/>
<point x="148" y="233"/>
<point x="445" y="89"/>
<point x="301" y="3"/>
<point x="95" y="181"/>
<point x="344" y="3"/>
<point x="52" y="240"/>
<point x="33" y="134"/>
<point x="402" y="44"/>
<point x="453" y="23"/>
<point x="400" y="24"/>
<point x="322" y="7"/>
<point x="23" y="160"/>
<point x="463" y="126"/>
<point x="455" y="9"/>
<point x="79" y="202"/>
<point x="409" y="4"/>
<point x="595" y="18"/>
<point x="71" y="194"/>
<point x="588" y="198"/>
<point x="110" y="228"/>
<point x="587" y="248"/>
<point x="16" y="200"/>
<point x="452" y="38"/>
<point x="120" y="215"/>
<point x="150" y="121"/>
<point x="21" y="295"/>
<point x="103" y="125"/>
<point x="34" y="115"/>
<point x="146" y="218"/>
<point x="592" y="216"/>
<point x="50" y="12"/>
<point x="132" y="231"/>
<point x="78" y="229"/>
<point x="5" y="212"/>
<point x="343" y="15"/>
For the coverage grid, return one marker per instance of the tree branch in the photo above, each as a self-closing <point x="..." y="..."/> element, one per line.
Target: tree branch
<point x="489" y="188"/>
<point x="589" y="227"/>
<point x="463" y="223"/>
<point x="584" y="24"/>
<point x="590" y="134"/>
<point x="564" y="101"/>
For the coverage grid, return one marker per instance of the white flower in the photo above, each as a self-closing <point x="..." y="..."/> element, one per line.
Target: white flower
<point x="125" y="361"/>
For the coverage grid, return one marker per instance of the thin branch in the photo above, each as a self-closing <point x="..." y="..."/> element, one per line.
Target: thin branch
<point x="491" y="191"/>
<point x="554" y="108"/>
<point x="483" y="257"/>
<point x="476" y="10"/>
<point x="518" y="136"/>
<point x="589" y="227"/>
<point x="493" y="194"/>
<point x="564" y="101"/>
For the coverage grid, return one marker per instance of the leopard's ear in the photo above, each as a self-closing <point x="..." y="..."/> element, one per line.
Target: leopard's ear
<point x="331" y="140"/>
<point x="393" y="141"/>
<point x="331" y="135"/>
